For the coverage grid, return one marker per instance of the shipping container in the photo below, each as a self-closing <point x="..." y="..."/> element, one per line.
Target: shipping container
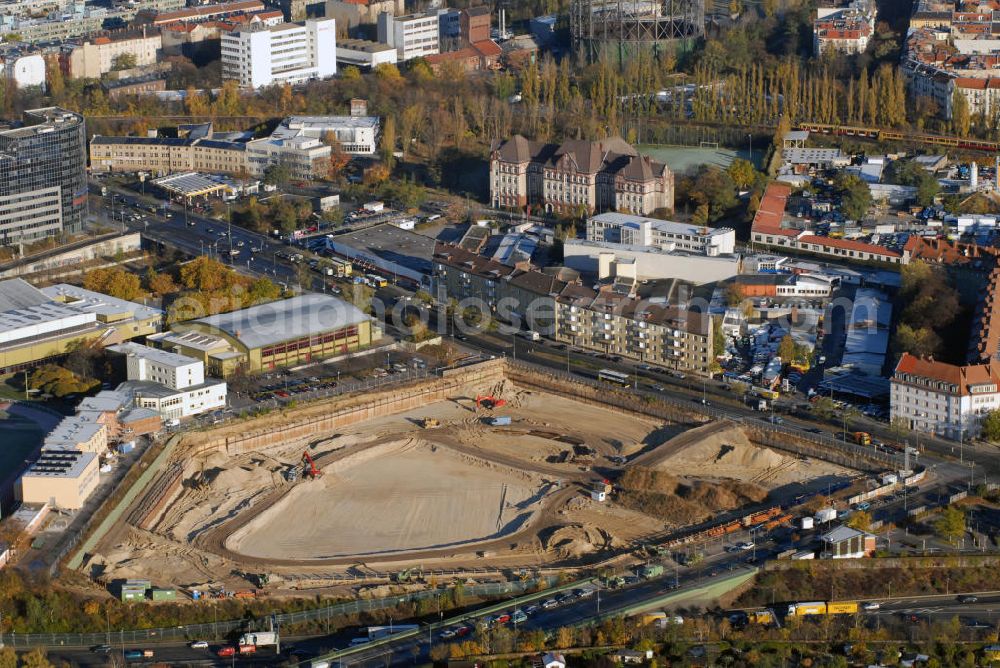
<point x="164" y="594"/>
<point x="842" y="608"/>
<point x="500" y="421"/>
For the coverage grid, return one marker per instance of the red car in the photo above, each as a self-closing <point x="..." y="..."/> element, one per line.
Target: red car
<point x="226" y="651"/>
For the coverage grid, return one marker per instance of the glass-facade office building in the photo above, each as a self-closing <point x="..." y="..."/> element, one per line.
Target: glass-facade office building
<point x="43" y="176"/>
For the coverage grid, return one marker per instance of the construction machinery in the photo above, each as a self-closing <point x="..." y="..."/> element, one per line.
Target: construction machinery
<point x="862" y="438"/>
<point x="310" y="466"/>
<point x="431" y="423"/>
<point x="489" y="402"/>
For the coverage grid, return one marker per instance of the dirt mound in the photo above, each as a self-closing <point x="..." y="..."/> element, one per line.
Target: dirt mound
<point x="728" y="454"/>
<point x="679" y="501"/>
<point x="575" y="540"/>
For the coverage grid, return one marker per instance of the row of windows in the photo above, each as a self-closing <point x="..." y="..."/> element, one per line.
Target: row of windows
<point x="309" y="341"/>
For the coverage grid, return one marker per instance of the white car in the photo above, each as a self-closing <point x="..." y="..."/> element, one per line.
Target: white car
<point x="745" y="546"/>
<point x="199" y="644"/>
<point x="870" y="606"/>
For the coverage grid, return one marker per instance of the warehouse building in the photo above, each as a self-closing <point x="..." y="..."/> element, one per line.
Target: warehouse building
<point x="61" y="478"/>
<point x="609" y="260"/>
<point x="38" y="326"/>
<point x="289" y="332"/>
<point x="388" y="249"/>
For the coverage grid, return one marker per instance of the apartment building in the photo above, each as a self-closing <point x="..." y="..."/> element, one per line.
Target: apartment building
<point x="202" y="12"/>
<point x="161" y="156"/>
<point x="572" y="313"/>
<point x="258" y="55"/>
<point x="846" y="29"/>
<point x="943" y="399"/>
<point x="606" y="175"/>
<point x="43" y="176"/>
<point x="667" y="336"/>
<point x="94" y="58"/>
<point x="412" y="35"/>
<point x="639" y="231"/>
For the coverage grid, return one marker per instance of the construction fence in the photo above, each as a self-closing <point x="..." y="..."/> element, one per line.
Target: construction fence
<point x="226" y="628"/>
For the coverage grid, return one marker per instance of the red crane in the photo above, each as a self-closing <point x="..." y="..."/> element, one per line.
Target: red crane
<point x="311" y="471"/>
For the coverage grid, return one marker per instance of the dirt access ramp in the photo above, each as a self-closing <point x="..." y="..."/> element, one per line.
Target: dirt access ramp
<point x="655" y="456"/>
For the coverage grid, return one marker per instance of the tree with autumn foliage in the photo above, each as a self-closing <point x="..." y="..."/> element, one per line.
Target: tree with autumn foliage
<point x="115" y="282"/>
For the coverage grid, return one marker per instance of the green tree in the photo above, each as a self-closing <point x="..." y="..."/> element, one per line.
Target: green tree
<point x="786" y="348"/>
<point x="990" y="426"/>
<point x="909" y="173"/>
<point x="860" y="520"/>
<point x="59" y="381"/>
<point x="114" y="281"/>
<point x="700" y="215"/>
<point x="855" y="196"/>
<point x="123" y="61"/>
<point x="950" y="524"/>
<point x="277" y="174"/>
<point x="742" y="173"/>
<point x="919" y="341"/>
<point x="961" y="118"/>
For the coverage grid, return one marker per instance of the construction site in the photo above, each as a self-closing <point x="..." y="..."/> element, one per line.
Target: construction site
<point x="486" y="467"/>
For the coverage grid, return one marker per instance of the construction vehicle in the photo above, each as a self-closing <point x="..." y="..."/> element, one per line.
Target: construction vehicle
<point x="489" y="402"/>
<point x="862" y="438"/>
<point x="651" y="571"/>
<point x="310" y="469"/>
<point x="431" y="423"/>
<point x="765" y="617"/>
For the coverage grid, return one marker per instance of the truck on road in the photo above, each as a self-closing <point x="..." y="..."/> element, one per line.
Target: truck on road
<point x="259" y="638"/>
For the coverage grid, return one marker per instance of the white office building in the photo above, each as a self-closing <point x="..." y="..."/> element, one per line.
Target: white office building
<point x="357" y="135"/>
<point x="257" y="55"/>
<point x="413" y="35"/>
<point x="172" y="385"/>
<point x="622" y="228"/>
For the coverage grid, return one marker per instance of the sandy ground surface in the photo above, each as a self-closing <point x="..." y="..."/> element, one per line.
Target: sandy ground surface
<point x="389" y="485"/>
<point x="729" y="454"/>
<point x="402" y="495"/>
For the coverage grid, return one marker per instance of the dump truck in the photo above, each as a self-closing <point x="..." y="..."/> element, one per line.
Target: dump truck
<point x="862" y="438"/>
